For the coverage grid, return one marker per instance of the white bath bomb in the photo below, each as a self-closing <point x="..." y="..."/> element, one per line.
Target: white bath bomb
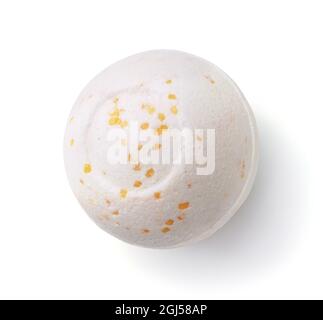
<point x="161" y="205"/>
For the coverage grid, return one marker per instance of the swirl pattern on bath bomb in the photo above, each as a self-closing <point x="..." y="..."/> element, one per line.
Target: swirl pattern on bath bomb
<point x="154" y="204"/>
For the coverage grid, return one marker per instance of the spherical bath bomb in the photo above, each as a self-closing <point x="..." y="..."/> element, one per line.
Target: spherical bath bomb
<point x="117" y="139"/>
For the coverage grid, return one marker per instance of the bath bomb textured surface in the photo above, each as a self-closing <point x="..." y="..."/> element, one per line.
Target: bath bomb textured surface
<point x="161" y="205"/>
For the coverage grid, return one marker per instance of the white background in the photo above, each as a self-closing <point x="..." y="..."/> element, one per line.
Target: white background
<point x="272" y="248"/>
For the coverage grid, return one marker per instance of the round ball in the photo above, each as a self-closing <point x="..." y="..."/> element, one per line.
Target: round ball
<point x="161" y="204"/>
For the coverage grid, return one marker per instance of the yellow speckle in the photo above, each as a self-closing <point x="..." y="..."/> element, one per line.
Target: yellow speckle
<point x="150" y="172"/>
<point x="149" y="108"/>
<point x="183" y="205"/>
<point x="172" y="96"/>
<point x="123" y="193"/>
<point x="174" y="110"/>
<point x="169" y="222"/>
<point x="116" y="100"/>
<point x="161" y="116"/>
<point x="137" y="184"/>
<point x="115" y="118"/>
<point x="161" y="129"/>
<point x="115" y="213"/>
<point x="72" y="142"/>
<point x="115" y="113"/>
<point x="165" y="230"/>
<point x="164" y="127"/>
<point x="87" y="168"/>
<point x="145" y="231"/>
<point x="114" y="121"/>
<point x="157" y="195"/>
<point x="144" y="126"/>
<point x="140" y="146"/>
<point x="157" y="146"/>
<point x="129" y="157"/>
<point x="137" y="167"/>
<point x="168" y="81"/>
<point x="124" y="124"/>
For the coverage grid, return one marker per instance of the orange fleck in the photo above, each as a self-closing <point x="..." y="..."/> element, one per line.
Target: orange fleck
<point x="123" y="193"/>
<point x="87" y="168"/>
<point x="183" y="205"/>
<point x="199" y="138"/>
<point x="171" y="96"/>
<point x="137" y="184"/>
<point x="159" y="131"/>
<point x="144" y="126"/>
<point x="145" y="231"/>
<point x="137" y="167"/>
<point x="169" y="222"/>
<point x="174" y="110"/>
<point x="180" y="217"/>
<point x="168" y="81"/>
<point x="115" y="213"/>
<point x="150" y="172"/>
<point x="157" y="195"/>
<point x="140" y="146"/>
<point x="165" y="230"/>
<point x="210" y="79"/>
<point x="161" y="116"/>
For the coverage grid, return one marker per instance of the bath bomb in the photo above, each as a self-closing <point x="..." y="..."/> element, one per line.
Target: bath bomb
<point x="127" y="172"/>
